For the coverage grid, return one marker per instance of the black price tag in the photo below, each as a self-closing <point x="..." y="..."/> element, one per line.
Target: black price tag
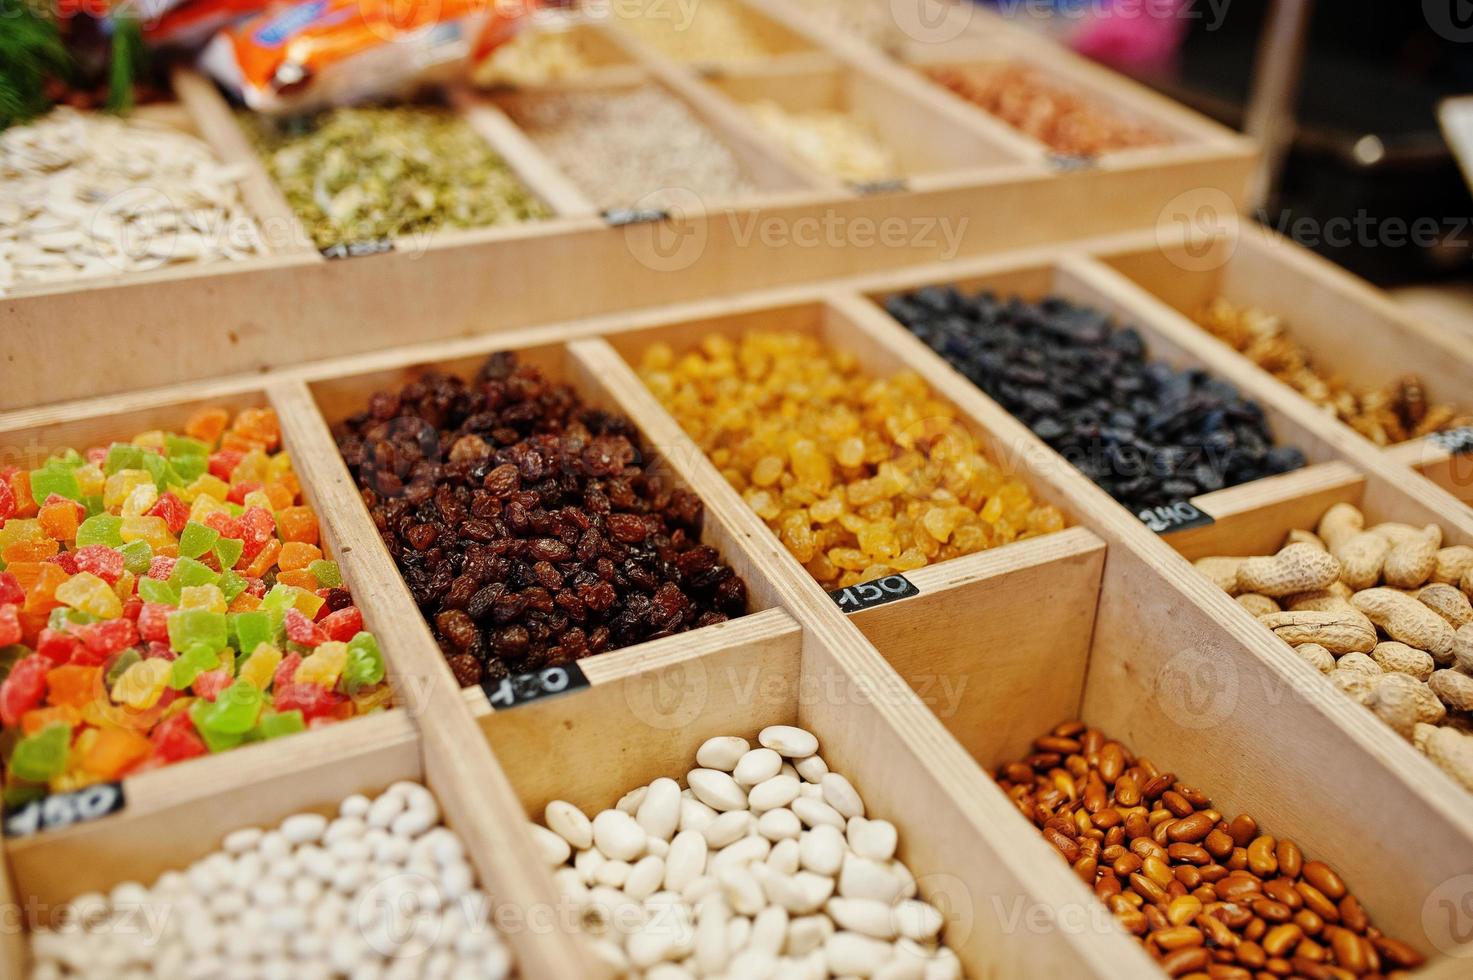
<point x="61" y="810"/>
<point x="895" y="185"/>
<point x="619" y="217"/>
<point x="356" y="250"/>
<point x="1455" y="441"/>
<point x="1070" y="162"/>
<point x="508" y="692"/>
<point x="866" y="595"/>
<point x="1174" y="517"/>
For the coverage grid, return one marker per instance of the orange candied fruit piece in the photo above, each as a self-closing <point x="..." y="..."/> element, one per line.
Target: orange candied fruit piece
<point x="300" y="578"/>
<point x="114" y="750"/>
<point x="36" y="549"/>
<point x="20" y="485"/>
<point x="280" y="494"/>
<point x="296" y="555"/>
<point x="297" y="524"/>
<point x="245" y="602"/>
<point x="41" y="596"/>
<point x="207" y="424"/>
<point x="259" y="425"/>
<point x="38" y="718"/>
<point x="74" y="685"/>
<point x="59" y="520"/>
<point x="264" y="561"/>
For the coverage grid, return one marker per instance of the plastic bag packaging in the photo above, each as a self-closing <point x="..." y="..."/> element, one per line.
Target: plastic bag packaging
<point x="191" y="23"/>
<point x="317" y="53"/>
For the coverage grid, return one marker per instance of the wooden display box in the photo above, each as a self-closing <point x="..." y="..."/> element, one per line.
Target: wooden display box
<point x="916" y="700"/>
<point x="972" y="186"/>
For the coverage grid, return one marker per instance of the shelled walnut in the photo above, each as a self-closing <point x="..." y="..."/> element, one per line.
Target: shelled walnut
<point x="1384" y="612"/>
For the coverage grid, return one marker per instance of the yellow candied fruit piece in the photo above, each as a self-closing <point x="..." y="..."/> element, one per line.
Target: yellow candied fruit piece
<point x="308" y="603"/>
<point x="207" y="597"/>
<point x="124" y="585"/>
<point x="152" y="439"/>
<point x="90" y="594"/>
<point x="90" y="479"/>
<point x="140" y="499"/>
<point x="260" y="667"/>
<point x="856" y="474"/>
<point x="154" y="530"/>
<point x="258" y="498"/>
<point x="323" y="666"/>
<point x="206" y="484"/>
<point x="142" y="684"/>
<point x="205" y="505"/>
<point x="121" y="484"/>
<point x="252" y="468"/>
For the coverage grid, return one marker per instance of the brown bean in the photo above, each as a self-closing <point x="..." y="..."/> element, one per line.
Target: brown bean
<point x="1176" y="937"/>
<point x="1176" y="803"/>
<point x="1158" y="871"/>
<point x="1156" y="918"/>
<point x="1273" y="911"/>
<point x="1069" y="729"/>
<point x="1309" y="969"/>
<point x="1323" y="877"/>
<point x="1236" y="916"/>
<point x="1190" y="853"/>
<point x="1278" y="966"/>
<point x="1282" y="890"/>
<point x="1136" y="825"/>
<point x="1183" y="910"/>
<point x="1112" y="762"/>
<point x="1086" y="868"/>
<point x="1185" y="960"/>
<point x="1310" y="950"/>
<point x="1062" y="843"/>
<point x="1348" y="950"/>
<point x="1144" y="847"/>
<point x="1134" y="921"/>
<point x="1106" y="886"/>
<point x="1218" y="844"/>
<point x="1316" y="902"/>
<point x="1214" y="872"/>
<point x="1291" y="861"/>
<point x="1056" y="743"/>
<point x="1157" y="785"/>
<point x="1255" y="930"/>
<point x="1251" y="955"/>
<point x="1238" y="860"/>
<point x="1095" y="797"/>
<point x="1190" y="829"/>
<point x="1309" y="922"/>
<point x="1242" y="829"/>
<point x="1239" y="888"/>
<point x="1217" y="931"/>
<point x="1127" y="864"/>
<point x="1282" y="938"/>
<point x="1398" y="952"/>
<point x="1106" y="818"/>
<point x="1352" y="916"/>
<point x="1147" y="888"/>
<point x="1127" y="791"/>
<point x="1189" y="876"/>
<point x="1225" y="971"/>
<point x="1261" y="856"/>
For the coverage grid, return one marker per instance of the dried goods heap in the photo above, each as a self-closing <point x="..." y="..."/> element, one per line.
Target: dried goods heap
<point x="528" y="526"/>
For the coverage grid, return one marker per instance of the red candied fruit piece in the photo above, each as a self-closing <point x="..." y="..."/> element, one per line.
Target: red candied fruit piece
<point x="175" y="739"/>
<point x="153" y="621"/>
<point x="106" y="638"/>
<point x="224" y="462"/>
<point x="10" y="590"/>
<point x="229" y="527"/>
<point x="158" y="650"/>
<point x="311" y="700"/>
<point x="7" y="499"/>
<point x="257" y="527"/>
<point x="342" y="625"/>
<point x="10" y="631"/>
<point x="96" y="455"/>
<point x="66" y="561"/>
<point x="256" y="586"/>
<point x="300" y="629"/>
<point x="173" y="510"/>
<point x="210" y="683"/>
<point x="104" y="562"/>
<point x="57" y="646"/>
<point x="286" y="670"/>
<point x="132" y="607"/>
<point x="161" y="567"/>
<point x="238" y="492"/>
<point x="24" y="689"/>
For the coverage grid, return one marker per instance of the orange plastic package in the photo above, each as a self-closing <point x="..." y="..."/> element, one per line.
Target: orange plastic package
<point x="316" y="53"/>
<point x="190" y="23"/>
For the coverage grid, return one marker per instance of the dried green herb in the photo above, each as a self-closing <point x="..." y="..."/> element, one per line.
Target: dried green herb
<point x="359" y="173"/>
<point x="31" y="53"/>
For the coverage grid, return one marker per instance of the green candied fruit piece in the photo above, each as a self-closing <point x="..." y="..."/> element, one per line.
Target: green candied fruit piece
<point x="157" y="590"/>
<point x="275" y="725"/>
<point x="214" y="741"/>
<point x="122" y="456"/>
<point x="365" y="666"/>
<point x="158" y="468"/>
<point x="175" y="445"/>
<point x="188" y="468"/>
<point x="137" y="557"/>
<point x="120" y="666"/>
<point x="228" y="551"/>
<point x="281" y="598"/>
<point x="232" y="584"/>
<point x="190" y="626"/>
<point x="190" y="664"/>
<point x="53" y="479"/>
<point x="196" y="539"/>
<point x="43" y="755"/>
<point x="236" y="709"/>
<point x="101" y="529"/>
<point x="63" y="616"/>
<point x="326" y="573"/>
<point x="191" y="571"/>
<point x="252" y="629"/>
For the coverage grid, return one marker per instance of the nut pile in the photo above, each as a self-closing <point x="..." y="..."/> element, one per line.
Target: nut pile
<point x="1063" y="120"/>
<point x="1395" y="413"/>
<point x="836" y="143"/>
<point x="764" y="864"/>
<point x="630" y="147"/>
<point x="528" y="526"/>
<point x="859" y="477"/>
<point x="90" y="195"/>
<point x="1208" y="896"/>
<point x="710" y="32"/>
<point x="1384" y="611"/>
<point x="1147" y="433"/>
<point x="536" y="57"/>
<point x="381" y="891"/>
<point x="361" y="173"/>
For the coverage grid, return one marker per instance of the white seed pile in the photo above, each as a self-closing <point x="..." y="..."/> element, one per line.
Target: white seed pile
<point x="84" y="195"/>
<point x="709" y="32"/>
<point x="762" y="866"/>
<point x="870" y="20"/>
<point x="380" y="893"/>
<point x="835" y="143"/>
<point x="634" y="147"/>
<point x="536" y="57"/>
